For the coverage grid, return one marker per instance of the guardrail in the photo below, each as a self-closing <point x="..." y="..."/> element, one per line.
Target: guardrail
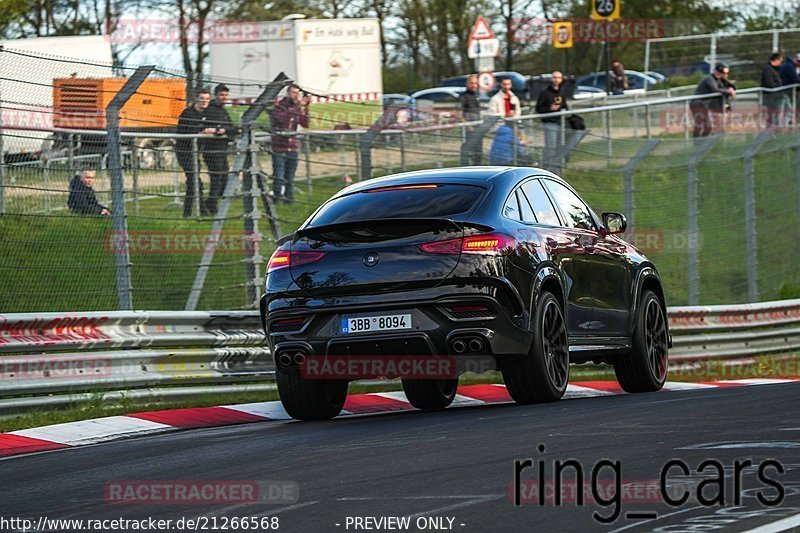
<point x="57" y="358"/>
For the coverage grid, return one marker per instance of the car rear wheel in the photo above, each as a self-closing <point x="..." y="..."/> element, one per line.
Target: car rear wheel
<point x="311" y="399"/>
<point x="543" y="374"/>
<point x="644" y="368"/>
<point x="429" y="394"/>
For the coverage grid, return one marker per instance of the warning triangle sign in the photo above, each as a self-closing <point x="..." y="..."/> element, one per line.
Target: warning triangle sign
<point x="481" y="30"/>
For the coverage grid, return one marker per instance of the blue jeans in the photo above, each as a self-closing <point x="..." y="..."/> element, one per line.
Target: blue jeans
<point x="552" y="142"/>
<point x="284" y="165"/>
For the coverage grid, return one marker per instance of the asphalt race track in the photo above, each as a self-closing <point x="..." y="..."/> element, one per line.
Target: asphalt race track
<point x="458" y="466"/>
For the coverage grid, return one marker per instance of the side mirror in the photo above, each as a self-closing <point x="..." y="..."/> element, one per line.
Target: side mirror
<point x="615" y="222"/>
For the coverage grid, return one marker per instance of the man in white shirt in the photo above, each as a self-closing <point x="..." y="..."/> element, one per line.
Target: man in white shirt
<point x="505" y="103"/>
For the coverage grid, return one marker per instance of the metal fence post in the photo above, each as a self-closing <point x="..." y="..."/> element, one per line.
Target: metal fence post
<point x="46" y="175"/>
<point x="120" y="222"/>
<point x="712" y="53"/>
<point x="135" y="175"/>
<point x="402" y="151"/>
<point x="750" y="214"/>
<point x="2" y="173"/>
<point x="252" y="236"/>
<point x="687" y="115"/>
<point x="196" y="176"/>
<point x="628" y="171"/>
<point x="693" y="230"/>
<point x="307" y="156"/>
<point x="607" y="117"/>
<point x="647" y="119"/>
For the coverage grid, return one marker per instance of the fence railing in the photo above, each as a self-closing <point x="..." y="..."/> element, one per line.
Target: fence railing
<point x="53" y="359"/>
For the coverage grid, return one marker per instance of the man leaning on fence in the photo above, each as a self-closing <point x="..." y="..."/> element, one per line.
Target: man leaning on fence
<point x="471" y="149"/>
<point x="192" y="121"/>
<point x="215" y="149"/>
<point x="773" y="99"/>
<point x="82" y="199"/>
<point x="705" y="110"/>
<point x="551" y="100"/>
<point x="286" y="116"/>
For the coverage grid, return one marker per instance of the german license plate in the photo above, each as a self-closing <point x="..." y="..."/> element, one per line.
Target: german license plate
<point x="376" y="323"/>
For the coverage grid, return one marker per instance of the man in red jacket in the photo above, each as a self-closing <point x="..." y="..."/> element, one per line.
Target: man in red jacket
<point x="287" y="115"/>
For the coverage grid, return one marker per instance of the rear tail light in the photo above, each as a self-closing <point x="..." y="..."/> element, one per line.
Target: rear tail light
<point x="285" y="258"/>
<point x="489" y="243"/>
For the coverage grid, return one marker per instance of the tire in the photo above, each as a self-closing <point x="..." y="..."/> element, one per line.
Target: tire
<point x="311" y="399"/>
<point x="644" y="367"/>
<point x="543" y="374"/>
<point x="430" y="394"/>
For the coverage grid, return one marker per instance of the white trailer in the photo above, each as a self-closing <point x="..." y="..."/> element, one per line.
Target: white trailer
<point x="26" y="92"/>
<point x="335" y="58"/>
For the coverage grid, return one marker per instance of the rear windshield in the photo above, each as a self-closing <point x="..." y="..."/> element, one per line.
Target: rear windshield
<point x="406" y="201"/>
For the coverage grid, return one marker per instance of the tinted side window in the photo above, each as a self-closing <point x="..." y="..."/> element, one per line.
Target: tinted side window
<point x="511" y="209"/>
<point x="574" y="209"/>
<point x="542" y="207"/>
<point x="525" y="207"/>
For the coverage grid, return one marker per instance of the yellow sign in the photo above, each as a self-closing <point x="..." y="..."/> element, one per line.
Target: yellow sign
<point x="562" y="35"/>
<point x="605" y="9"/>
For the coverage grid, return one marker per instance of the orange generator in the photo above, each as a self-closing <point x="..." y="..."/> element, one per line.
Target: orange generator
<point x="80" y="103"/>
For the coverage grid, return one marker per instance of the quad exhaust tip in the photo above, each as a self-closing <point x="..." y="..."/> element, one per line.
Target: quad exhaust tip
<point x="285" y="359"/>
<point x="476" y="345"/>
<point x="459" y="346"/>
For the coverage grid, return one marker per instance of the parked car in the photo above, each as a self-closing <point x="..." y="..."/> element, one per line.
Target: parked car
<point x="507" y="264"/>
<point x="398" y="100"/>
<point x="636" y="80"/>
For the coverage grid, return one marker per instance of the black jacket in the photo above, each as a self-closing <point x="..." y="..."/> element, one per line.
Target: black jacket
<point x="548" y="97"/>
<point x="470" y="105"/>
<point x="217" y="117"/>
<point x="770" y="78"/>
<point x="82" y="199"/>
<point x="711" y="85"/>
<point x="191" y="121"/>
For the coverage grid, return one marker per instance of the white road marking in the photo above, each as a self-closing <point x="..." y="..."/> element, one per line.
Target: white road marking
<point x="780" y="525"/>
<point x="96" y="430"/>
<point x="660" y="517"/>
<point x="270" y="410"/>
<point x="480" y="499"/>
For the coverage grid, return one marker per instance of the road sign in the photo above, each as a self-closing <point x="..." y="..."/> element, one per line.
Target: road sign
<point x="562" y="35"/>
<point x="605" y="9"/>
<point x="485" y="80"/>
<point x="483" y="48"/>
<point x="481" y="30"/>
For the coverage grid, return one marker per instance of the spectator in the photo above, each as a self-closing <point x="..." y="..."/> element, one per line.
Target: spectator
<point x="287" y="115"/>
<point x="505" y="101"/>
<point x="618" y="80"/>
<point x="704" y="110"/>
<point x="471" y="111"/>
<point x="506" y="143"/>
<point x="773" y="100"/>
<point x="215" y="150"/>
<point x="82" y="199"/>
<point x="788" y="71"/>
<point x="192" y="121"/>
<point x="550" y="100"/>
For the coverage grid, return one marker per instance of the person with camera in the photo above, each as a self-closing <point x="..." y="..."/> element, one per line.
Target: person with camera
<point x="289" y="113"/>
<point x="552" y="100"/>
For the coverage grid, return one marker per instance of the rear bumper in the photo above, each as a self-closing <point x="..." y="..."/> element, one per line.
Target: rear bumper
<point x="317" y="330"/>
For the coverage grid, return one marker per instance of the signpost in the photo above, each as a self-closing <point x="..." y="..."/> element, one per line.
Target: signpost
<point x="607" y="10"/>
<point x="483" y="46"/>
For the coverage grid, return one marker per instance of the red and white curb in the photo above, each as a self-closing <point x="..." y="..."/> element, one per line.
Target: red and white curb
<point x="110" y="428"/>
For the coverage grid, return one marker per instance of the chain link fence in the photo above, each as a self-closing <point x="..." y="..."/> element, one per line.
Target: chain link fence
<point x="715" y="213"/>
<point x="685" y="59"/>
